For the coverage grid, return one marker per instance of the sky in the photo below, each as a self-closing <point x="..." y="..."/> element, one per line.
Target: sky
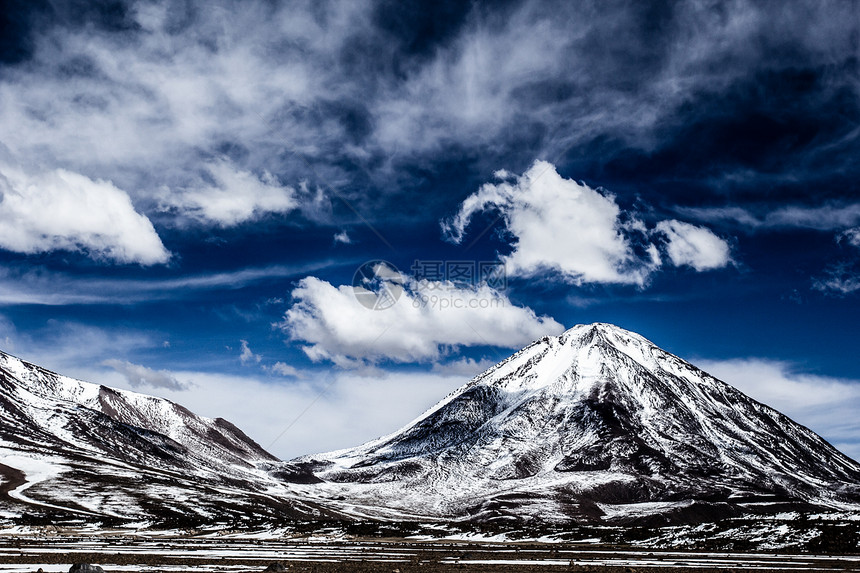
<point x="192" y="194"/>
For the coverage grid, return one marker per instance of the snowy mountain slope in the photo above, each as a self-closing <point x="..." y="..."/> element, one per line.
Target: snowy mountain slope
<point x="595" y="424"/>
<point x="80" y="448"/>
<point x="216" y="437"/>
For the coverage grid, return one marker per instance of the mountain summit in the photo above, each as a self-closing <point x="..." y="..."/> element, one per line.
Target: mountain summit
<point x="597" y="423"/>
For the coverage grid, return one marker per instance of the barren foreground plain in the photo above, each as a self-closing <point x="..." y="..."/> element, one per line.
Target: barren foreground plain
<point x="57" y="551"/>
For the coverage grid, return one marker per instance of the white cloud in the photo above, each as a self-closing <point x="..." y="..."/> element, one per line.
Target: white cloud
<point x="564" y="226"/>
<point x="235" y="197"/>
<point x="695" y="246"/>
<point x="246" y="355"/>
<point x="557" y="224"/>
<point x="342" y="237"/>
<point x="138" y="376"/>
<point x="428" y="320"/>
<point x="825" y="404"/>
<point x="62" y="210"/>
<point x="284" y="369"/>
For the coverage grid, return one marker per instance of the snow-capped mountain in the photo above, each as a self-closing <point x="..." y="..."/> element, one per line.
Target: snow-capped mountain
<point x="595" y="425"/>
<point x="82" y="449"/>
<point x="599" y="424"/>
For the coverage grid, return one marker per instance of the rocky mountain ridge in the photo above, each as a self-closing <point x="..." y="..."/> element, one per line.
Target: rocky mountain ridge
<point x="71" y="448"/>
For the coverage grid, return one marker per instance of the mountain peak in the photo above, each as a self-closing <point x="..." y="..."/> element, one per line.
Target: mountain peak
<point x="579" y="356"/>
<point x="595" y="334"/>
<point x="597" y="414"/>
<point x="584" y="334"/>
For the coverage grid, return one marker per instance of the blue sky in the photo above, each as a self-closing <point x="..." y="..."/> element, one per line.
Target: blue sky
<point x="189" y="188"/>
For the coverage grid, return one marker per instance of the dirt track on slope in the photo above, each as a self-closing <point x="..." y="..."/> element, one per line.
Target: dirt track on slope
<point x="12" y="478"/>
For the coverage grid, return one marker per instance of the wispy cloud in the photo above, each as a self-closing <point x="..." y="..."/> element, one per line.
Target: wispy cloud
<point x="284" y="369"/>
<point x="850" y="237"/>
<point x="138" y="376"/>
<point x="828" y="217"/>
<point x="842" y="277"/>
<point x="220" y="113"/>
<point x="51" y="288"/>
<point x="627" y="83"/>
